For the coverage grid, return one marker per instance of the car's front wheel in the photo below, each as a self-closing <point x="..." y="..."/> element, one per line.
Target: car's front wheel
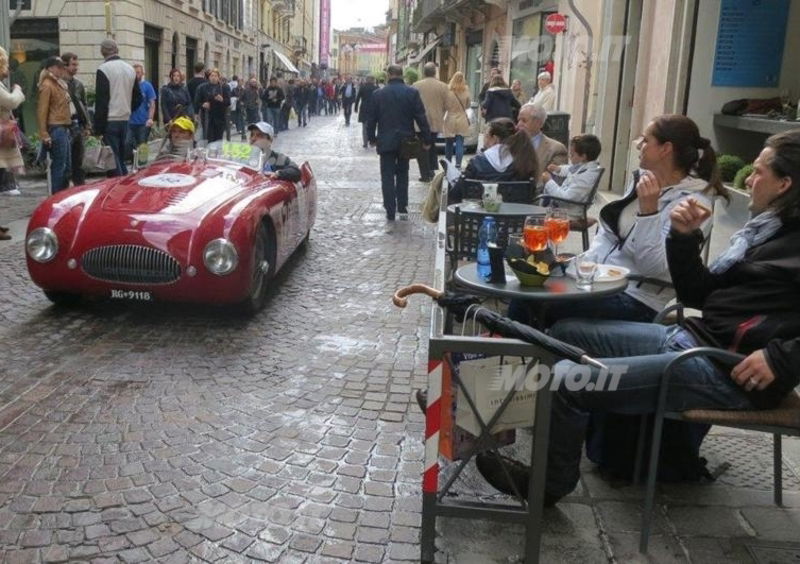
<point x="64" y="299"/>
<point x="262" y="273"/>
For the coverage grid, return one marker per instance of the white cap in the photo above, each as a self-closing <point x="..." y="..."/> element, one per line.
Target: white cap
<point x="263" y="127"/>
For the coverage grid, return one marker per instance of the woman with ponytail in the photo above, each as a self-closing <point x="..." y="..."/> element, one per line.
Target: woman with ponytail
<point x="508" y="155"/>
<point x="676" y="163"/>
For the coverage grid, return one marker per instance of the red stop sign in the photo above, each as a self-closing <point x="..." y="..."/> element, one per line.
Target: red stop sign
<point x="555" y="23"/>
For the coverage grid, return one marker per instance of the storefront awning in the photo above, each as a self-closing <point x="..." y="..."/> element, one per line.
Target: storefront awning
<point x="421" y="54"/>
<point x="286" y="62"/>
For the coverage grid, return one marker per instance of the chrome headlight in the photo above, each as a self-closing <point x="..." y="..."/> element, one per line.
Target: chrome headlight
<point x="220" y="257"/>
<point x="42" y="244"/>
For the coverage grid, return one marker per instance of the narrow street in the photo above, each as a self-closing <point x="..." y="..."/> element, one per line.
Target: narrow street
<point x="173" y="433"/>
<point x="184" y="433"/>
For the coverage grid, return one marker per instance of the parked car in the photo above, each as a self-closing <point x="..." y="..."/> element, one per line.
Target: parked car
<point x="209" y="228"/>
<point x="471" y="140"/>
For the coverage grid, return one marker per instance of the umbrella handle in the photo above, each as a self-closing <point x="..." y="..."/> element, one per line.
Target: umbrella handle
<point x="399" y="298"/>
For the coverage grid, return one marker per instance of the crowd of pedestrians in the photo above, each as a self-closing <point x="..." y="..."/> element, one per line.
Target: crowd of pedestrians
<point x="127" y="107"/>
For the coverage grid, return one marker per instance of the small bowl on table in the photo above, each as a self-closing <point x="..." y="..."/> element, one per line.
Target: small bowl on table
<point x="528" y="267"/>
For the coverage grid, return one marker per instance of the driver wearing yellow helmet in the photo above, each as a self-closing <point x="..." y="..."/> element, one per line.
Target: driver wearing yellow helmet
<point x="181" y="138"/>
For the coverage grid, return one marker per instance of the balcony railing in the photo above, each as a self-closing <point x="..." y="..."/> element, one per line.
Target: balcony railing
<point x="283" y="7"/>
<point x="426" y="12"/>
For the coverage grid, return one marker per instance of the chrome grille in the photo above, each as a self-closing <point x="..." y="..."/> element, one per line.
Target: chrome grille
<point x="131" y="264"/>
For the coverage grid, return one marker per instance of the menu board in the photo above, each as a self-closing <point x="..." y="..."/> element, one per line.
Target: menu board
<point x="750" y="43"/>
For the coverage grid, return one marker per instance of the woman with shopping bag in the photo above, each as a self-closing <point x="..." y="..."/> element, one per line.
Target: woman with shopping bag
<point x="10" y="158"/>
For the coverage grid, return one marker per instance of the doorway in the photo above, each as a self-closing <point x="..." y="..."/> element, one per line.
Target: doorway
<point x="191" y="56"/>
<point x="531" y="50"/>
<point x="473" y="73"/>
<point x="152" y="64"/>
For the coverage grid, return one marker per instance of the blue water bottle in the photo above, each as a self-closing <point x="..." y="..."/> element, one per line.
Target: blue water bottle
<point x="486" y="235"/>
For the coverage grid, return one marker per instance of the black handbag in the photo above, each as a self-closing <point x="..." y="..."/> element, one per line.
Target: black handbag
<point x="410" y="148"/>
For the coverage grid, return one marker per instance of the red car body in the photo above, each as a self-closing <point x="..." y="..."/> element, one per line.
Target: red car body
<point x="124" y="238"/>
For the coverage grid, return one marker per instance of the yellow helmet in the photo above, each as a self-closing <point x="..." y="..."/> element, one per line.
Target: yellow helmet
<point x="183" y="123"/>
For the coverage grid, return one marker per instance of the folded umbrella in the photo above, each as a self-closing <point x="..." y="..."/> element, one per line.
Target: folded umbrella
<point x="458" y="304"/>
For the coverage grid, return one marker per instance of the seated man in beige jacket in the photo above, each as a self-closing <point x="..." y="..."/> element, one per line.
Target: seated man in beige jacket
<point x="549" y="151"/>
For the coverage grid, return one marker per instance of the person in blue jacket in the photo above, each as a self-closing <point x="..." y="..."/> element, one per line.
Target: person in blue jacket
<point x="393" y="112"/>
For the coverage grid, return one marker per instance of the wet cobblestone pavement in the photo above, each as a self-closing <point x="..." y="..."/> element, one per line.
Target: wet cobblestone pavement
<point x="182" y="434"/>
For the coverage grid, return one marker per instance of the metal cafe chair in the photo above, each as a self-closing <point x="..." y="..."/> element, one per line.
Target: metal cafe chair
<point x="583" y="222"/>
<point x="781" y="420"/>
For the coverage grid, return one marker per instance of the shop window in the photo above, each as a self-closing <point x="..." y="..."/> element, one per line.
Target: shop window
<point x="32" y="41"/>
<point x="532" y="49"/>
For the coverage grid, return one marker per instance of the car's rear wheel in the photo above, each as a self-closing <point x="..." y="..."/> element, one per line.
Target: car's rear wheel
<point x="64" y="299"/>
<point x="263" y="271"/>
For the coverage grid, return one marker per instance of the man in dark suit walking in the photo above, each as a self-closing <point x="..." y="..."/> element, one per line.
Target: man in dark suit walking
<point x="348" y="95"/>
<point x="363" y="101"/>
<point x="393" y="111"/>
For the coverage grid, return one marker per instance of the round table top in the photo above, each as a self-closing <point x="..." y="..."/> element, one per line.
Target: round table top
<point x="506" y="209"/>
<point x="555" y="287"/>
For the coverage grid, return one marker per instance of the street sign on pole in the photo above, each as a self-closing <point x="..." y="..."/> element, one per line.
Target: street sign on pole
<point x="555" y="23"/>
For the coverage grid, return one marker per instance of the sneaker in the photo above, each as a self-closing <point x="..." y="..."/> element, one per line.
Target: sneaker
<point x="389" y="227"/>
<point x="12" y="192"/>
<point x="403" y="216"/>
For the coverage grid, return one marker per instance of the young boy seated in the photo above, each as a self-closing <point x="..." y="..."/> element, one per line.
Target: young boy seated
<point x="276" y="165"/>
<point x="181" y="139"/>
<point x="579" y="177"/>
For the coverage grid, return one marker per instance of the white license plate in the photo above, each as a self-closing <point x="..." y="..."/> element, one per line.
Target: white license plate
<point x="131" y="295"/>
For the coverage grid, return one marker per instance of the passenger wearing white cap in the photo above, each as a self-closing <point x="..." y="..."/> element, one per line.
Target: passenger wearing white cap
<point x="276" y="165"/>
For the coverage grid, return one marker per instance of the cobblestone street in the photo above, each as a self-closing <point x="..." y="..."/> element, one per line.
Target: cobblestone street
<point x="183" y="434"/>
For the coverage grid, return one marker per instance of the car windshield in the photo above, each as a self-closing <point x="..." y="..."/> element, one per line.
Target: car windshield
<point x="241" y="153"/>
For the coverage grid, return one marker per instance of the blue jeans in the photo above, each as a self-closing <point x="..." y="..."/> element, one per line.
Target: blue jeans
<point x="448" y="149"/>
<point x="394" y="184"/>
<point x="641" y="351"/>
<point x="60" y="159"/>
<point x="115" y="136"/>
<point x="137" y="134"/>
<point x="274" y="117"/>
<point x="265" y="113"/>
<point x="619" y="306"/>
<point x="302" y="114"/>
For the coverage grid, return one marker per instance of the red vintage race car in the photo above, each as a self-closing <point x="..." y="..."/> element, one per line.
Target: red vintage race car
<point x="209" y="228"/>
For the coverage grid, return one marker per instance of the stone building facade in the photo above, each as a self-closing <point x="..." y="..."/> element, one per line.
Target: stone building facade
<point x="158" y="33"/>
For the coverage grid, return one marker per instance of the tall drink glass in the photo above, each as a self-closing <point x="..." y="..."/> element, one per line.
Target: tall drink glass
<point x="535" y="233"/>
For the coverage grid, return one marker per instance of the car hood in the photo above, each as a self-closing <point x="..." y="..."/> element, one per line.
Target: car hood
<point x="174" y="190"/>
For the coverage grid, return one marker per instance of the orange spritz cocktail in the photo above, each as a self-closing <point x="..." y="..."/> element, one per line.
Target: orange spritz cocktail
<point x="557" y="229"/>
<point x="535" y="233"/>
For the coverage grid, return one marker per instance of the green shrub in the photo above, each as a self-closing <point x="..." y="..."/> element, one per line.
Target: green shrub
<point x="411" y="76"/>
<point x="729" y="165"/>
<point x="744" y="172"/>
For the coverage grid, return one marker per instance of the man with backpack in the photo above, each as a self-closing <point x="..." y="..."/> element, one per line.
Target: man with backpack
<point x="750" y="305"/>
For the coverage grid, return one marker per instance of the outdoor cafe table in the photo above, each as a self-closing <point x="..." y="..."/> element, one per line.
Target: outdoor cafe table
<point x="507" y="210"/>
<point x="555" y="288"/>
<point x="467" y="216"/>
